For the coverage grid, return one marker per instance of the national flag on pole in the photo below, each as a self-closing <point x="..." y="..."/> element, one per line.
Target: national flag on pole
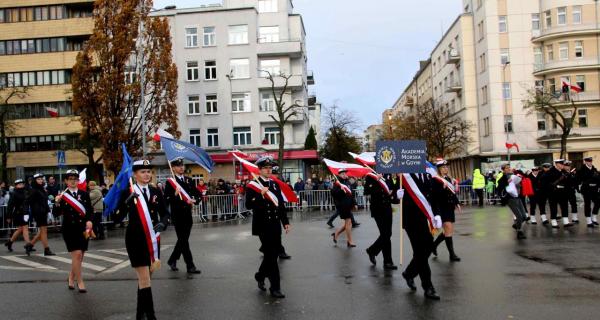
<point x="82" y="185"/>
<point x="353" y="170"/>
<point x="249" y="166"/>
<point x="512" y="145"/>
<point x="365" y="158"/>
<point x="573" y="87"/>
<point x="53" y="112"/>
<point x="288" y="193"/>
<point x="111" y="201"/>
<point x="432" y="170"/>
<point x="180" y="149"/>
<point x="162" y="133"/>
<point x="239" y="154"/>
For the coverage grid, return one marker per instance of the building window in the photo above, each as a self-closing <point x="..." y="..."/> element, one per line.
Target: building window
<point x="541" y="121"/>
<point x="195" y="137"/>
<point x="211" y="103"/>
<point x="193" y="105"/>
<point x="272" y="67"/>
<point x="578" y="49"/>
<point x="535" y="21"/>
<point x="582" y="118"/>
<point x="480" y="30"/>
<point x="267" y="101"/>
<point x="38" y="78"/>
<point x="580" y="80"/>
<point x="548" y="15"/>
<point x="240" y="102"/>
<point x="242" y="136"/>
<point x="506" y="94"/>
<point x="502" y="24"/>
<point x="191" y="37"/>
<point x="576" y="14"/>
<point x="486" y="126"/>
<point x="42" y="143"/>
<point x="550" y="52"/>
<point x="267" y="6"/>
<point x="508" y="124"/>
<point x="192" y="71"/>
<point x="238" y="34"/>
<point x="504" y="56"/>
<point x="538" y="58"/>
<point x="210" y="70"/>
<point x="552" y="85"/>
<point x="561" y="15"/>
<point x="209" y="37"/>
<point x="563" y="50"/>
<point x="484" y="95"/>
<point x="268" y="34"/>
<point x="212" y="137"/>
<point x="130" y="77"/>
<point x="240" y="68"/>
<point x="482" y="62"/>
<point x="272" y="135"/>
<point x="37" y="110"/>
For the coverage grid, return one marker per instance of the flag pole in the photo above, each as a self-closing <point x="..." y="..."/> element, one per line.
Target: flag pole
<point x="173" y="175"/>
<point x="401" y="226"/>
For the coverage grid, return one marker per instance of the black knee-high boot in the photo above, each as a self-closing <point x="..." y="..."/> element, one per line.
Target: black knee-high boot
<point x="437" y="242"/>
<point x="147" y="303"/>
<point x="139" y="312"/>
<point x="450" y="245"/>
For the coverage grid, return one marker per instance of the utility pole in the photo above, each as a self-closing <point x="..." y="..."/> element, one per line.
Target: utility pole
<point x="505" y="110"/>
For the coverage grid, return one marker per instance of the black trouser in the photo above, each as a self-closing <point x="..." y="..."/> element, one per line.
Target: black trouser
<point x="479" y="196"/>
<point x="573" y="201"/>
<point x="98" y="226"/>
<point x="421" y="242"/>
<point x="522" y="198"/>
<point x="532" y="204"/>
<point x="383" y="219"/>
<point x="271" y="247"/>
<point x="588" y="199"/>
<point x="542" y="199"/>
<point x="182" y="246"/>
<point x="559" y="198"/>
<point x="336" y="214"/>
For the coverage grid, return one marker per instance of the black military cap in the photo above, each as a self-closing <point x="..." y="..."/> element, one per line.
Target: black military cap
<point x="588" y="159"/>
<point x="38" y="175"/>
<point x="142" y="164"/>
<point x="275" y="170"/>
<point x="546" y="165"/>
<point x="177" y="162"/>
<point x="71" y="173"/>
<point x="265" y="161"/>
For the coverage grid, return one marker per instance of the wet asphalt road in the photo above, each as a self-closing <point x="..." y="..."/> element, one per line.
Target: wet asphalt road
<point x="554" y="274"/>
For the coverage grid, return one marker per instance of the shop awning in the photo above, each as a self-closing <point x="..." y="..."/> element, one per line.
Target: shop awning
<point x="253" y="156"/>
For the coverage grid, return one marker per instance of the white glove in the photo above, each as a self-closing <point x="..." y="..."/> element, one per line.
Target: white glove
<point x="437" y="222"/>
<point x="400" y="193"/>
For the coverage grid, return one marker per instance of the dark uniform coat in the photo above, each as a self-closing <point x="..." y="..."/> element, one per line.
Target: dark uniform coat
<point x="181" y="211"/>
<point x="17" y="209"/>
<point x="38" y="205"/>
<point x="343" y="201"/>
<point x="73" y="223"/>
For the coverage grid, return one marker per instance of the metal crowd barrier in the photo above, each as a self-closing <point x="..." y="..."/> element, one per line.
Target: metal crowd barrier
<point x="468" y="196"/>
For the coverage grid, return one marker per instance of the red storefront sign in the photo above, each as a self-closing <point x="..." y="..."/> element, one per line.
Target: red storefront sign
<point x="253" y="156"/>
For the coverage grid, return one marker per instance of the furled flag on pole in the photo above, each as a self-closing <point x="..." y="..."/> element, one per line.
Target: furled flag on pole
<point x="111" y="201"/>
<point x="82" y="185"/>
<point x="53" y="112"/>
<point x="288" y="194"/>
<point x="161" y="133"/>
<point x="365" y="158"/>
<point x="432" y="170"/>
<point x="573" y="87"/>
<point x="512" y="145"/>
<point x="179" y="149"/>
<point x="353" y="170"/>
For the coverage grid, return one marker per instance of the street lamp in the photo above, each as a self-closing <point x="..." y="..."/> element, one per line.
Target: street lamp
<point x="505" y="109"/>
<point x="229" y="77"/>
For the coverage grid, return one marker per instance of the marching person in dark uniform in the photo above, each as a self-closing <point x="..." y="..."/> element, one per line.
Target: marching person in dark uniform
<point x="283" y="255"/>
<point x="572" y="188"/>
<point x="264" y="198"/>
<point x="181" y="195"/>
<point x="344" y="203"/>
<point x="38" y="205"/>
<point x="148" y="215"/>
<point x="18" y="214"/>
<point x="76" y="209"/>
<point x="446" y="202"/>
<point x="545" y="184"/>
<point x="381" y="211"/>
<point x="587" y="176"/>
<point x="534" y="177"/>
<point x="560" y="193"/>
<point x="416" y="225"/>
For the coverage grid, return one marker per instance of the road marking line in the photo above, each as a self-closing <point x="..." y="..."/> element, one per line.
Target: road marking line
<point x="99" y="257"/>
<point x="117" y="267"/>
<point x="28" y="263"/>
<point x="68" y="261"/>
<point x="15" y="268"/>
<point x="117" y="252"/>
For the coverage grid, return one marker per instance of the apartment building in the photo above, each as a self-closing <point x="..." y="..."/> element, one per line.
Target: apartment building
<point x="371" y="135"/>
<point x="39" y="42"/>
<point x="223" y="53"/>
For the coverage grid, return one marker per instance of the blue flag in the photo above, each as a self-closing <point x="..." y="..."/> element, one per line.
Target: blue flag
<point x="179" y="149"/>
<point x="111" y="201"/>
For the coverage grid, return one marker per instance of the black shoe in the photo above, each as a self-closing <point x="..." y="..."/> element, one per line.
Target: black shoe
<point x="390" y="266"/>
<point x="334" y="240"/>
<point x="576" y="221"/>
<point x="48" y="252"/>
<point x="260" y="281"/>
<point x="595" y="223"/>
<point x="193" y="270"/>
<point x="173" y="266"/>
<point x="454" y="258"/>
<point x="356" y="225"/>
<point x="431" y="294"/>
<point x="545" y="222"/>
<point x="514" y="226"/>
<point x="330" y="225"/>
<point x="350" y="245"/>
<point x="371" y="258"/>
<point x="28" y="248"/>
<point x="8" y="244"/>
<point x="285" y="256"/>
<point x="277" y="294"/>
<point x="568" y="225"/>
<point x="534" y="222"/>
<point x="521" y="235"/>
<point x="410" y="282"/>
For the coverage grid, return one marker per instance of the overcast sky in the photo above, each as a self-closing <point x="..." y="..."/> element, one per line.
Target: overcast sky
<point x="364" y="55"/>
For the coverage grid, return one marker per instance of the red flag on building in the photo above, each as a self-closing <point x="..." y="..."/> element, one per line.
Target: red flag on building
<point x="53" y="112"/>
<point x="512" y="145"/>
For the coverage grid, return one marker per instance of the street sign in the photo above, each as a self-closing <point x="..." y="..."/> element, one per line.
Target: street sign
<point x="401" y="156"/>
<point x="60" y="155"/>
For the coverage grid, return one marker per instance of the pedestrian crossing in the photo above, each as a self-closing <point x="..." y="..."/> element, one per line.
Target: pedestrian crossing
<point x="99" y="262"/>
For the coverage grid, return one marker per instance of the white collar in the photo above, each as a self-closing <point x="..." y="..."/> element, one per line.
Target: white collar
<point x="73" y="190"/>
<point x="265" y="179"/>
<point x="590" y="166"/>
<point x="142" y="185"/>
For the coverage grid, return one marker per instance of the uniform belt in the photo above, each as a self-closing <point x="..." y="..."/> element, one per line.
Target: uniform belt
<point x="592" y="185"/>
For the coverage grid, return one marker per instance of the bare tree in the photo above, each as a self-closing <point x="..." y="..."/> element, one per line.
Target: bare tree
<point x="7" y="95"/>
<point x="340" y="137"/>
<point x="563" y="113"/>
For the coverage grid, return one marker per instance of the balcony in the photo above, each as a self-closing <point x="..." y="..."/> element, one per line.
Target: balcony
<point x="560" y="65"/>
<point x="295" y="82"/>
<point x="310" y="78"/>
<point x="566" y="30"/>
<point x="292" y="48"/>
<point x="454" y="86"/>
<point x="453" y="56"/>
<point x="576" y="134"/>
<point x="582" y="98"/>
<point x="409" y="101"/>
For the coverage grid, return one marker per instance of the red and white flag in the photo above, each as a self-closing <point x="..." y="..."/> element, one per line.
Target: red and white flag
<point x="512" y="145"/>
<point x="288" y="193"/>
<point x="82" y="184"/>
<point x="53" y="112"/>
<point x="418" y="198"/>
<point x="268" y="195"/>
<point x="162" y="133"/>
<point x="365" y="158"/>
<point x="249" y="166"/>
<point x="573" y="87"/>
<point x="239" y="154"/>
<point x="381" y="182"/>
<point x="353" y="170"/>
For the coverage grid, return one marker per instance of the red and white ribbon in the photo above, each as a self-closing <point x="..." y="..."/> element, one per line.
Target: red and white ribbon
<point x="269" y="195"/>
<point x="417" y="196"/>
<point x="152" y="238"/>
<point x="184" y="195"/>
<point x="74" y="203"/>
<point x="344" y="187"/>
<point x="381" y="181"/>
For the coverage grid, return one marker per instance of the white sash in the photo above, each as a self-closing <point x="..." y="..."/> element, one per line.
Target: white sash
<point x="152" y="237"/>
